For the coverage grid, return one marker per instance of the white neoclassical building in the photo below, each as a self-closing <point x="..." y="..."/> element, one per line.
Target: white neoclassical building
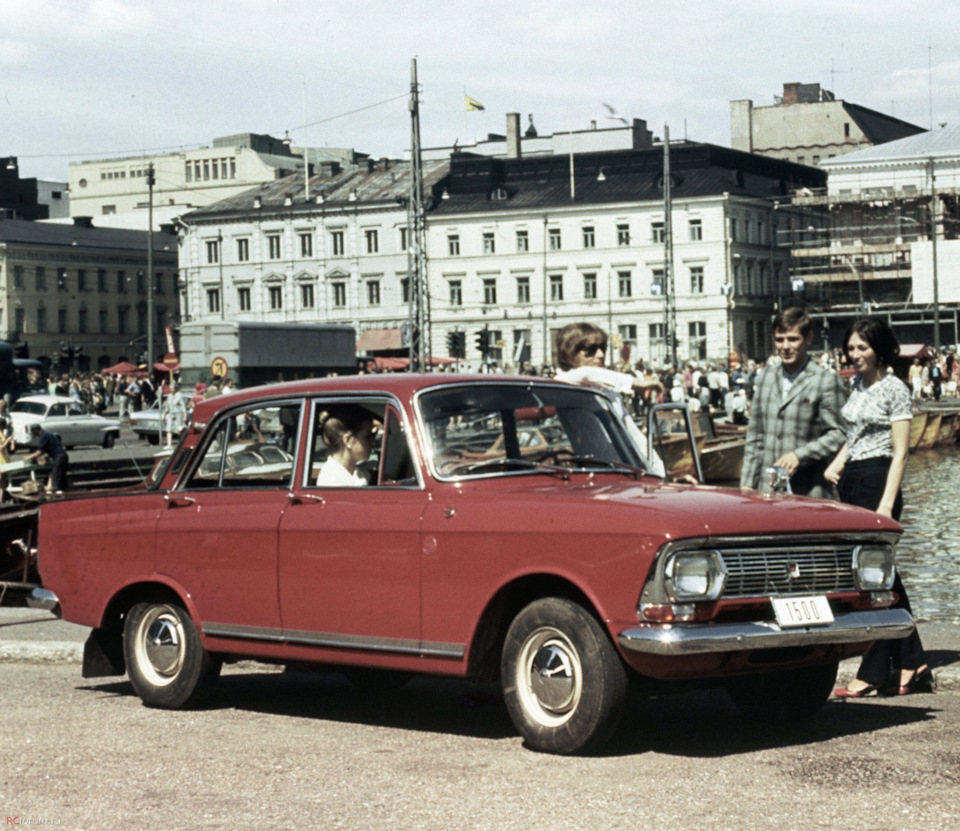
<point x="516" y="246"/>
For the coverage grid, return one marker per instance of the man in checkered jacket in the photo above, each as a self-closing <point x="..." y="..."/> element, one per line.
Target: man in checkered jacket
<point x="795" y="417"/>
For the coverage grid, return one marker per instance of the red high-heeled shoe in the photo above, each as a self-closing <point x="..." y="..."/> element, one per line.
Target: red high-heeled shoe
<point x="921" y="682"/>
<point x="846" y="692"/>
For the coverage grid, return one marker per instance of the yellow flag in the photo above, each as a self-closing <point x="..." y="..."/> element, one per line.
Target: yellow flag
<point x="471" y="103"/>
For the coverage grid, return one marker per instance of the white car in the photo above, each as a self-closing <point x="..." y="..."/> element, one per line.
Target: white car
<point x="67" y="419"/>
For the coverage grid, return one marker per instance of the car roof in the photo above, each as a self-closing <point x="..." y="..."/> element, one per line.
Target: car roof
<point x="43" y="398"/>
<point x="403" y="385"/>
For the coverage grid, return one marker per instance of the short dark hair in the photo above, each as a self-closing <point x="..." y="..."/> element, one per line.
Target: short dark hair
<point x="573" y="337"/>
<point x="794" y="316"/>
<point x="36" y="428"/>
<point x="878" y="334"/>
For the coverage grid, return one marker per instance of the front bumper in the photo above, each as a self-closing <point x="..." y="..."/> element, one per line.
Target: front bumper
<point x="701" y="638"/>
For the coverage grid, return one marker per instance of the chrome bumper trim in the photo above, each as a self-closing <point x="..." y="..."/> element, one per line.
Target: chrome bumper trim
<point x="694" y="638"/>
<point x="41" y="598"/>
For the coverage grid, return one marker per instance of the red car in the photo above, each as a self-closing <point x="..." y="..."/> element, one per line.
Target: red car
<point x="568" y="570"/>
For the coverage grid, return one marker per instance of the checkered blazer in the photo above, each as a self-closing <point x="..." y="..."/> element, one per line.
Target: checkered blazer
<point x="807" y="422"/>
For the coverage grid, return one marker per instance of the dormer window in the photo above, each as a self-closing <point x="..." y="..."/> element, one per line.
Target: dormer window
<point x="499" y="194"/>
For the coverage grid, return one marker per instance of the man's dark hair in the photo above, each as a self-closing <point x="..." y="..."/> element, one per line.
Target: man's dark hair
<point x="791" y="317"/>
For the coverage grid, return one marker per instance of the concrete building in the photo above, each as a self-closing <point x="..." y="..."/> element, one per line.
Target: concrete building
<point x="84" y="287"/>
<point x="808" y="125"/>
<point x="867" y="241"/>
<point x="192" y="178"/>
<point x="336" y="253"/>
<point x="523" y="246"/>
<point x="29" y="198"/>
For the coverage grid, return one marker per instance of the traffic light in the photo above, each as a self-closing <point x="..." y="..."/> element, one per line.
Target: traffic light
<point x="452" y="344"/>
<point x="461" y="345"/>
<point x="483" y="341"/>
<point x="22" y="351"/>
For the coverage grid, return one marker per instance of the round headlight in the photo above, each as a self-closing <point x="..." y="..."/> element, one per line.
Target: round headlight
<point x="873" y="567"/>
<point x="694" y="575"/>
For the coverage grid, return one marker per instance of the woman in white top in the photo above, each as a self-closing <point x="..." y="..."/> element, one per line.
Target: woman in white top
<point x="868" y="472"/>
<point x="348" y="431"/>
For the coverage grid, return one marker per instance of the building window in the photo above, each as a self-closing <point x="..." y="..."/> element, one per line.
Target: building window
<point x="590" y="286"/>
<point x="41" y="320"/>
<point x="490" y="291"/>
<point x="589" y="237"/>
<point x="141" y="283"/>
<point x="273" y="245"/>
<point x="306" y="295"/>
<point x="556" y="287"/>
<point x="18" y="276"/>
<point x="121" y="282"/>
<point x="696" y="230"/>
<point x="339" y="295"/>
<point x="553" y="236"/>
<point x="189" y="171"/>
<point x="372" y="238"/>
<point x="62" y="321"/>
<point x="523" y="289"/>
<point x="81" y="279"/>
<point x="453" y="245"/>
<point x="336" y="241"/>
<point x="623" y="234"/>
<point x="523" y="241"/>
<point x="628" y="334"/>
<point x="41" y="278"/>
<point x="404" y="238"/>
<point x="213" y="301"/>
<point x="123" y="319"/>
<point x="405" y="289"/>
<point x="18" y="317"/>
<point x="213" y="252"/>
<point x="101" y="280"/>
<point x="373" y="292"/>
<point x="489" y="243"/>
<point x="456" y="293"/>
<point x="243" y="299"/>
<point x="141" y="320"/>
<point x="306" y="245"/>
<point x="658" y="232"/>
<point x="698" y="340"/>
<point x="276" y="297"/>
<point x="656" y="283"/>
<point x="158" y="283"/>
<point x="104" y="321"/>
<point x="696" y="279"/>
<point x="82" y="321"/>
<point x="625" y="283"/>
<point x="733" y="228"/>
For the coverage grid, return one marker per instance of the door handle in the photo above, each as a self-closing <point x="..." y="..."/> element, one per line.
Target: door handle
<point x="179" y="501"/>
<point x="300" y="498"/>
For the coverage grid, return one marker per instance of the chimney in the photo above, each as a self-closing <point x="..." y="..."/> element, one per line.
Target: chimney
<point x="329" y="168"/>
<point x="371" y="165"/>
<point x="83" y="222"/>
<point x="385" y="162"/>
<point x="513" y="135"/>
<point x="790" y="95"/>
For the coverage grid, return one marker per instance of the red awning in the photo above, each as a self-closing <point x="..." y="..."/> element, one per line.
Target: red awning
<point x="915" y="350"/>
<point x="379" y="340"/>
<point x="165" y="368"/>
<point x="122" y="368"/>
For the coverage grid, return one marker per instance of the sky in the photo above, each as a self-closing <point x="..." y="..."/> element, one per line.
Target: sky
<point x="91" y="79"/>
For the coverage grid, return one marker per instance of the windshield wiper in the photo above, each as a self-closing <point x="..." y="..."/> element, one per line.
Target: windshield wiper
<point x="633" y="470"/>
<point x="524" y="464"/>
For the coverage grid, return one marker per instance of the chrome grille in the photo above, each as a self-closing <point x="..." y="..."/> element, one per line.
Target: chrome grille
<point x="771" y="569"/>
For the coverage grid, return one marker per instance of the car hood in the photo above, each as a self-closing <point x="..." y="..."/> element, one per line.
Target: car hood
<point x="677" y="511"/>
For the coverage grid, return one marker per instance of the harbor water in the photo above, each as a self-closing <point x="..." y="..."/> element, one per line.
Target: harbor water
<point x="929" y="552"/>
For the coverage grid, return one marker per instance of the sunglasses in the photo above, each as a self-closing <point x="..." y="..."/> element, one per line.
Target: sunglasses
<point x="591" y="349"/>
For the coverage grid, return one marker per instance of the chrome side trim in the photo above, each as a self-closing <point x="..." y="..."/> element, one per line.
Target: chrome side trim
<point x="41" y="598"/>
<point x="401" y="646"/>
<point x="698" y="638"/>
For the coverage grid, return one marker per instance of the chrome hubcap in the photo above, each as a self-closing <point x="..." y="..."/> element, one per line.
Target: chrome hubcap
<point x="549" y="677"/>
<point x="160" y="645"/>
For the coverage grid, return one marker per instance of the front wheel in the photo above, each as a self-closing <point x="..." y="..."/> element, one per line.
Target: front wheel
<point x="783" y="697"/>
<point x="108" y="440"/>
<point x="564" y="684"/>
<point x="167" y="664"/>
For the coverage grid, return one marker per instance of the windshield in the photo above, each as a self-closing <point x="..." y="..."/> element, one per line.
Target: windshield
<point x="479" y="430"/>
<point x="29" y="407"/>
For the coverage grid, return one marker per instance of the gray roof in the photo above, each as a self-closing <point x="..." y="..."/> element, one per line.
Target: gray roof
<point x="942" y="142"/>
<point x="25" y="232"/>
<point x="383" y="184"/>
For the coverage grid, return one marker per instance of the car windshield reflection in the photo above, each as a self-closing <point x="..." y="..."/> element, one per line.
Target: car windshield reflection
<point x="504" y="429"/>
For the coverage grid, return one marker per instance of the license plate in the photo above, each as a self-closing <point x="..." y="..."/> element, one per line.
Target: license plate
<point x="802" y="611"/>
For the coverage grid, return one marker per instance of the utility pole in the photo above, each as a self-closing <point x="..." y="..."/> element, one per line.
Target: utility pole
<point x="417" y="251"/>
<point x="934" y="206"/>
<point x="669" y="289"/>
<point x="150" y="183"/>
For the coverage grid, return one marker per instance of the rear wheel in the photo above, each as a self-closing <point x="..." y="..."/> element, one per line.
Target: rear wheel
<point x="783" y="697"/>
<point x="108" y="440"/>
<point x="166" y="662"/>
<point x="564" y="684"/>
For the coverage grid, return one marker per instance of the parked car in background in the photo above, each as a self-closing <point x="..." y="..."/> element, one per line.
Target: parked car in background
<point x="552" y="559"/>
<point x="146" y="423"/>
<point x="67" y="419"/>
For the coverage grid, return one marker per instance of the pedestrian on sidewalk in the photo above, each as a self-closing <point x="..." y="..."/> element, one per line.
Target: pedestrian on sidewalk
<point x="868" y="472"/>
